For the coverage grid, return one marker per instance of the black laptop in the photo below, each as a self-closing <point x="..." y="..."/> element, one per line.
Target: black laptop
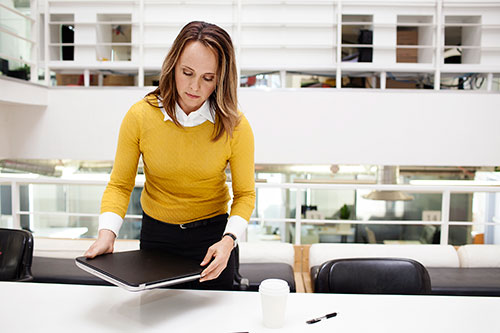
<point x="142" y="269"/>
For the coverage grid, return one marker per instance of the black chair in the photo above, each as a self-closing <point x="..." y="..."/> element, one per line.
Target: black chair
<point x="16" y="254"/>
<point x="373" y="276"/>
<point x="249" y="276"/>
<point x="240" y="283"/>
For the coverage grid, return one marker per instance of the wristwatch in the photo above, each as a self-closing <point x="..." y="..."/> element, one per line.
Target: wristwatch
<point x="235" y="240"/>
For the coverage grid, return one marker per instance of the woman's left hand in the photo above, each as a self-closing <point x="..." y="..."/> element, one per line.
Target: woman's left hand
<point x="221" y="252"/>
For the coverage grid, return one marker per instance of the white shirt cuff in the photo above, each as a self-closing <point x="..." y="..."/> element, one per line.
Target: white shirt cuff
<point x="110" y="221"/>
<point x="236" y="225"/>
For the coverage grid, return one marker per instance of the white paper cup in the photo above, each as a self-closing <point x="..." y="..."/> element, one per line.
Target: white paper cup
<point x="274" y="293"/>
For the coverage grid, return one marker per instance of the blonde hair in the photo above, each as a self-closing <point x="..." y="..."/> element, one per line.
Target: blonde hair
<point x="223" y="101"/>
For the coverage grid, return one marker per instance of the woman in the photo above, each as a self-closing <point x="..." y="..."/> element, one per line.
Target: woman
<point x="187" y="131"/>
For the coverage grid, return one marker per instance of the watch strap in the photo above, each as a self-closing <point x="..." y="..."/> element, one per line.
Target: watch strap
<point x="232" y="236"/>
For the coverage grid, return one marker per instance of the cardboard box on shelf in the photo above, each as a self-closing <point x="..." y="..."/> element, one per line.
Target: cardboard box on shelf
<point x="74" y="79"/>
<point x="397" y="84"/>
<point x="393" y="84"/>
<point x="118" y="80"/>
<point x="69" y="79"/>
<point x="407" y="55"/>
<point x="407" y="36"/>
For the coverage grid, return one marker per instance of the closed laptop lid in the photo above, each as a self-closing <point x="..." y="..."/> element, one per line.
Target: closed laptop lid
<point x="142" y="269"/>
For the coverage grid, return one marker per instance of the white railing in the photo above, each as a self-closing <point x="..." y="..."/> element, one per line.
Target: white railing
<point x="33" y="41"/>
<point x="445" y="190"/>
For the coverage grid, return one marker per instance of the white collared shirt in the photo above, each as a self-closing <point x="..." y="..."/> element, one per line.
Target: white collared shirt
<point x="193" y="119"/>
<point x="236" y="225"/>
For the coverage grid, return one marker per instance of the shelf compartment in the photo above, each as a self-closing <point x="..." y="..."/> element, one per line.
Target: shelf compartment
<point x="462" y="81"/>
<point x="357" y="38"/>
<point x="114" y="37"/>
<point x="409" y="80"/>
<point x="463" y="32"/>
<point x="360" y="80"/>
<point x="415" y="35"/>
<point x="62" y="33"/>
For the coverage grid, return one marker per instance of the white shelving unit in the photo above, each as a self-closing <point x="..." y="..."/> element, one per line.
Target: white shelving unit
<point x="293" y="35"/>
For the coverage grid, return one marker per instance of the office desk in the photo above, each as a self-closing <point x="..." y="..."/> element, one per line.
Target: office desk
<point x="339" y="230"/>
<point x="26" y="307"/>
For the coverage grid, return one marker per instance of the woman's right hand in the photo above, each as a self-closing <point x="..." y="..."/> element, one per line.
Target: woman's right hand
<point x="104" y="244"/>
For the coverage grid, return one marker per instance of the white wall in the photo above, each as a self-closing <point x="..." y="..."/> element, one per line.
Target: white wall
<point x="17" y="92"/>
<point x="291" y="126"/>
<point x="374" y="127"/>
<point x="18" y="102"/>
<point x="4" y="136"/>
<point x="78" y="124"/>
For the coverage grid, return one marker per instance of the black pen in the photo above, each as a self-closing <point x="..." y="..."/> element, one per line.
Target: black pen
<point x="315" y="320"/>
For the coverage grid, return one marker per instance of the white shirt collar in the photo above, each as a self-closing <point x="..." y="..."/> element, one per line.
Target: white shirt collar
<point x="195" y="118"/>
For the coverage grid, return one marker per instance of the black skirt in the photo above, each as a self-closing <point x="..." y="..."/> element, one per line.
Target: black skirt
<point x="190" y="242"/>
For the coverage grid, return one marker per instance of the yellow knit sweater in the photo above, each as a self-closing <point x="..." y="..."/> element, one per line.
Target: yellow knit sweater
<point x="184" y="168"/>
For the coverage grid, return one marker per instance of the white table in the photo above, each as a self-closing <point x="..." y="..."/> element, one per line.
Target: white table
<point x="60" y="232"/>
<point x="33" y="307"/>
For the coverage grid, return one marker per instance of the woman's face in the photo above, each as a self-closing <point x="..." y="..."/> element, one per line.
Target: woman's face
<point x="195" y="76"/>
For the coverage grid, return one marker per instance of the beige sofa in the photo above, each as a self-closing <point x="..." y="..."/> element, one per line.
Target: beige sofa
<point x="53" y="261"/>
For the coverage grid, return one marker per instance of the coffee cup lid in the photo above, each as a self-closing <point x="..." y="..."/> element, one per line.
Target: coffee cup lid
<point x="274" y="287"/>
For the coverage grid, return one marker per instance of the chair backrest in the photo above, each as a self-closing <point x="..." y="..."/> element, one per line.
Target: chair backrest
<point x="479" y="255"/>
<point x="16" y="253"/>
<point x="265" y="252"/>
<point x="373" y="276"/>
<point x="240" y="282"/>
<point x="427" y="235"/>
<point x="370" y="236"/>
<point x="429" y="255"/>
